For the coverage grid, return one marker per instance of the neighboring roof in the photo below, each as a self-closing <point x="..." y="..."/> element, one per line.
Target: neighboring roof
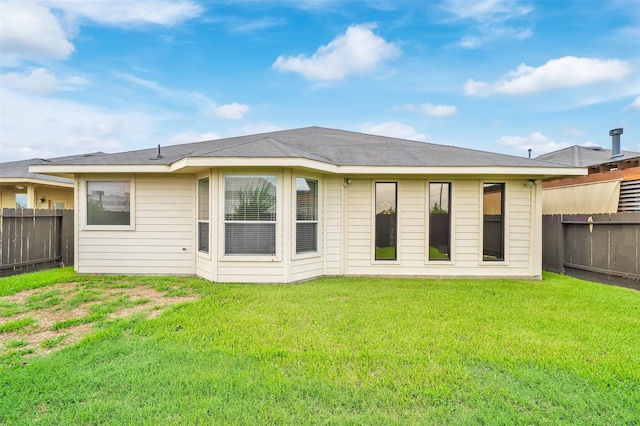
<point x="19" y="170"/>
<point x="585" y="156"/>
<point x="329" y="146"/>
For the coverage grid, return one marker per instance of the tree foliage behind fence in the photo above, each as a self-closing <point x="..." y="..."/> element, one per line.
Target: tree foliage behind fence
<point x="600" y="247"/>
<point x="35" y="239"/>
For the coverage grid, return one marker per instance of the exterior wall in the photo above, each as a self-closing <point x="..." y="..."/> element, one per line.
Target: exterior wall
<point x="49" y="193"/>
<point x="162" y="238"/>
<point x="333" y="225"/>
<point x="522" y="231"/>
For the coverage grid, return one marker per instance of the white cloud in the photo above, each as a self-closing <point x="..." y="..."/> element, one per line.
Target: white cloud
<point x="43" y="127"/>
<point x="434" y="110"/>
<point x="393" y="129"/>
<point x="119" y="12"/>
<point x="634" y="106"/>
<point x="567" y="71"/>
<point x="539" y="143"/>
<point x="490" y="19"/>
<point x="358" y="51"/>
<point x="188" y="137"/>
<point x="232" y="111"/>
<point x="485" y="11"/>
<point x="29" y="30"/>
<point x="40" y="81"/>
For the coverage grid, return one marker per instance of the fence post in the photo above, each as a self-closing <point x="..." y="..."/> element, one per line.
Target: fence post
<point x="560" y="242"/>
<point x="67" y="240"/>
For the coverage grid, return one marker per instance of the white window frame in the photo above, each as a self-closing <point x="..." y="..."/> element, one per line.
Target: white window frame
<point x="224" y="221"/>
<point x="199" y="220"/>
<point x="316" y="252"/>
<point x="505" y="225"/>
<point x="452" y="224"/>
<point x="132" y="204"/>
<point x="398" y="245"/>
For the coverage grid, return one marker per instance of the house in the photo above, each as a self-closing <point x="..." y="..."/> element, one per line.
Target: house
<point x="296" y="204"/>
<point x="612" y="184"/>
<point x="20" y="188"/>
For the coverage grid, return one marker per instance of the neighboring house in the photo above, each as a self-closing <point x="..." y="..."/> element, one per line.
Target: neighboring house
<point x="612" y="185"/>
<point x="20" y="188"/>
<point x="292" y="205"/>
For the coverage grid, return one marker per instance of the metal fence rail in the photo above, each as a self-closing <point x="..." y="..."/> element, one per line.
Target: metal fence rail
<point x="35" y="239"/>
<point x="600" y="247"/>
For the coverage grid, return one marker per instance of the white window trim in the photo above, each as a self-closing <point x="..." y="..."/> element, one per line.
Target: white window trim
<point x="222" y="222"/>
<point x="132" y="204"/>
<point x="505" y="223"/>
<point x="397" y="260"/>
<point x="452" y="225"/>
<point x="206" y="254"/>
<point x="294" y="241"/>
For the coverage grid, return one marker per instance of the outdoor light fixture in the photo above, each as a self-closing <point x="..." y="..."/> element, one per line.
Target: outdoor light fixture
<point x="347" y="181"/>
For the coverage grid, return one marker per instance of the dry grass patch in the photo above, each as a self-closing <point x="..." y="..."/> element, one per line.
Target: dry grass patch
<point x="60" y="315"/>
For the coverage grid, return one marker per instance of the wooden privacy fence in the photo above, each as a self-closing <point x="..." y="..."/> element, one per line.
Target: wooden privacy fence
<point x="600" y="247"/>
<point x="35" y="239"/>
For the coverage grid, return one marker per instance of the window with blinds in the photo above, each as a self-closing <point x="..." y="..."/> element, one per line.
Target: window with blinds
<point x="250" y="215"/>
<point x="306" y="215"/>
<point x="203" y="215"/>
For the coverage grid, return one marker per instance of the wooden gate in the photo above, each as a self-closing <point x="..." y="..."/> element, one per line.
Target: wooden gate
<point x="35" y="240"/>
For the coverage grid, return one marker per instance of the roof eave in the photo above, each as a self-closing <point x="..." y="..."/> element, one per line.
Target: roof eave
<point x="197" y="163"/>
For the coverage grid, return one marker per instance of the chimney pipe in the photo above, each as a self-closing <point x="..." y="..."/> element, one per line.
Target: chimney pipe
<point x="615" y="143"/>
<point x="158" y="156"/>
<point x="529" y="152"/>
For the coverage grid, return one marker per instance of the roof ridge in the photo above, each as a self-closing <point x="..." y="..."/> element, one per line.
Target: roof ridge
<point x="298" y="151"/>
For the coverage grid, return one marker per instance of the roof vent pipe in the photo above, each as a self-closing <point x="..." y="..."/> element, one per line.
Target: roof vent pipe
<point x="615" y="143"/>
<point x="158" y="156"/>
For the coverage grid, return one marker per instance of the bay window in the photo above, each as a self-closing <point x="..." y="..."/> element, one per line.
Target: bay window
<point x="306" y="215"/>
<point x="203" y="215"/>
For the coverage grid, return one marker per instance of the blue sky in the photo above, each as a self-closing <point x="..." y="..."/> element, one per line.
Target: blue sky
<point x="502" y="76"/>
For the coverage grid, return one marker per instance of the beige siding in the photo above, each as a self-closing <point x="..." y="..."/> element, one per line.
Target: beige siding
<point x="333" y="220"/>
<point x="305" y="268"/>
<point x="162" y="241"/>
<point x="466" y="231"/>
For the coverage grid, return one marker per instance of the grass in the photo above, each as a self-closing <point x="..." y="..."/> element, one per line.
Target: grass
<point x="17" y="325"/>
<point x="347" y="351"/>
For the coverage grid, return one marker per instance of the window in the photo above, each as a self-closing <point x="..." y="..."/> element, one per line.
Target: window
<point x="493" y="221"/>
<point x="21" y="201"/>
<point x="109" y="202"/>
<point x="203" y="215"/>
<point x="386" y="221"/>
<point x="250" y="215"/>
<point x="57" y="205"/>
<point x="306" y="215"/>
<point x="439" y="221"/>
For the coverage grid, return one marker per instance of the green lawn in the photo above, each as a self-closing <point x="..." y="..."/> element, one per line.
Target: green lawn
<point x="345" y="351"/>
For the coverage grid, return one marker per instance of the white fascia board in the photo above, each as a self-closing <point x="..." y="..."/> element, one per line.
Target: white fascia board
<point x="32" y="181"/>
<point x="545" y="172"/>
<point x="219" y="162"/>
<point x="65" y="169"/>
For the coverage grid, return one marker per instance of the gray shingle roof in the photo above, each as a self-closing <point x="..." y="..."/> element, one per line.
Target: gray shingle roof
<point x="331" y="146"/>
<point x="583" y="156"/>
<point x="20" y="169"/>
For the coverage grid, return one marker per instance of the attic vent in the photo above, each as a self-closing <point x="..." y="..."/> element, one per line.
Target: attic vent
<point x="595" y="148"/>
<point x="629" y="196"/>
